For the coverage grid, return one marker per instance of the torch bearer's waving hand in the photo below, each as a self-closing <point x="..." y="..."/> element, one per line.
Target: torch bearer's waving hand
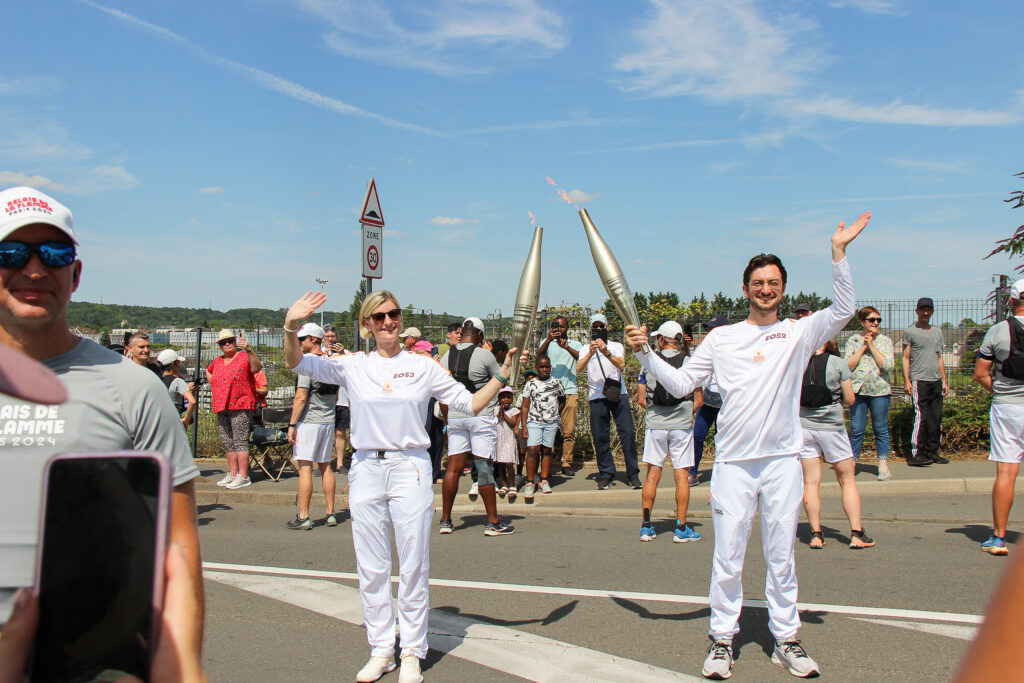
<point x="636" y="337"/>
<point x="303" y="308"/>
<point x="845" y="234"/>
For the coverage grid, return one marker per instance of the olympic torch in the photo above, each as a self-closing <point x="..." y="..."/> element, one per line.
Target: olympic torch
<point x="525" y="309"/>
<point x="611" y="275"/>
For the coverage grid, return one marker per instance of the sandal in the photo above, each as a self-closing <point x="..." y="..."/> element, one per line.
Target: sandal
<point x="859" y="540"/>
<point x="817" y="540"/>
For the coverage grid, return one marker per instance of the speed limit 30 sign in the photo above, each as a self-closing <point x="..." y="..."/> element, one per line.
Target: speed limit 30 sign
<point x="371" y="222"/>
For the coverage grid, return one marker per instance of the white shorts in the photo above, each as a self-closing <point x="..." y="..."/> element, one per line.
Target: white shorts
<point x="477" y="435"/>
<point x="1006" y="432"/>
<point x="313" y="442"/>
<point x="661" y="443"/>
<point x="835" y="446"/>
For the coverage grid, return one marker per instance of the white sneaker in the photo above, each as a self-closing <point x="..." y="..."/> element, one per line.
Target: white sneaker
<point x="375" y="668"/>
<point x="239" y="482"/>
<point x="528" y="492"/>
<point x="791" y="655"/>
<point x="718" y="665"/>
<point x="228" y="478"/>
<point x="545" y="487"/>
<point x="474" y="491"/>
<point x="410" y="672"/>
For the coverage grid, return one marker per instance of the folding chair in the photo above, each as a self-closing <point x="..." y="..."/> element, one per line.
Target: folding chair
<point x="268" y="444"/>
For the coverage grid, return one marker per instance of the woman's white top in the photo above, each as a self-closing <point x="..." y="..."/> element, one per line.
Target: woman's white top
<point x="388" y="397"/>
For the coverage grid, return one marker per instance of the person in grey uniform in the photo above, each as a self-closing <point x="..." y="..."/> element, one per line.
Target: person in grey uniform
<point x="113" y="404"/>
<point x="924" y="379"/>
<point x="827" y="388"/>
<point x="1002" y="350"/>
<point x="669" y="435"/>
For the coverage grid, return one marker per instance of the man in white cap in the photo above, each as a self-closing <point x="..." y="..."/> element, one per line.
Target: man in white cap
<point x="112" y="403"/>
<point x="759" y="365"/>
<point x="181" y="396"/>
<point x="472" y="436"/>
<point x="1002" y="349"/>
<point x="669" y="435"/>
<point x="311" y="432"/>
<point x="409" y="337"/>
<point x="604" y="362"/>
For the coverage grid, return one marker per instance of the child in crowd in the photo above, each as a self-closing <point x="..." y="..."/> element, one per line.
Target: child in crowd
<point x="506" y="454"/>
<point x="528" y="374"/>
<point x="543" y="398"/>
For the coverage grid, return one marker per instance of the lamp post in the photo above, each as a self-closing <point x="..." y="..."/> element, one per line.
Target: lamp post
<point x="321" y="283"/>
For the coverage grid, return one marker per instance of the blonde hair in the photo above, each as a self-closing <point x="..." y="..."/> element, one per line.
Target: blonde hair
<point x="371" y="302"/>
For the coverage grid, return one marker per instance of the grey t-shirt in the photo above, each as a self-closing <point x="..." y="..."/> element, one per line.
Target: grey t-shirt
<point x="996" y="347"/>
<point x="113" y="405"/>
<point x="667" y="417"/>
<point x="482" y="367"/>
<point x="176" y="390"/>
<point x="319" y="408"/>
<point x="925" y="347"/>
<point x="829" y="418"/>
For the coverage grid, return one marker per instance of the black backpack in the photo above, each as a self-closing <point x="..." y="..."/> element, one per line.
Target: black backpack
<point x="458" y="365"/>
<point x="661" y="397"/>
<point x="815" y="394"/>
<point x="1013" y="366"/>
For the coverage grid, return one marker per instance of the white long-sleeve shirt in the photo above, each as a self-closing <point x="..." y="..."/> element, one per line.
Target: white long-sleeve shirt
<point x="759" y="371"/>
<point x="389" y="396"/>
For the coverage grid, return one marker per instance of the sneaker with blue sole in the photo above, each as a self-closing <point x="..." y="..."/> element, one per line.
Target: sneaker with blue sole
<point x="995" y="545"/>
<point x="684" y="534"/>
<point x="647" y="532"/>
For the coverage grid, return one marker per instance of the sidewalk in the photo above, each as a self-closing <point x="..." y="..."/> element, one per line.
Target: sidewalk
<point x="579" y="495"/>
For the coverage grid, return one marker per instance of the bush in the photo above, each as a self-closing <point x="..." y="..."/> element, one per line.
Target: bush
<point x="964" y="422"/>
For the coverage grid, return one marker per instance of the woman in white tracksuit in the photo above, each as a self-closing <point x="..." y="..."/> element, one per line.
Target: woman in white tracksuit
<point x="390" y="484"/>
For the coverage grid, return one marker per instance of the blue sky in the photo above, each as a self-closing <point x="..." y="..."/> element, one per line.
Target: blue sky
<point x="217" y="153"/>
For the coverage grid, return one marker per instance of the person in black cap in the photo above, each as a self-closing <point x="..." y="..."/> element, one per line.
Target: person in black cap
<point x="801" y="310"/>
<point x="924" y="380"/>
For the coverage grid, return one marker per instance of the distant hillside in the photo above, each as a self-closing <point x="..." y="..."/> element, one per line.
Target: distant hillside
<point x="109" y="316"/>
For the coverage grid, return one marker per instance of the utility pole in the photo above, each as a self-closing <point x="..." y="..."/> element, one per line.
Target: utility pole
<point x="322" y="284"/>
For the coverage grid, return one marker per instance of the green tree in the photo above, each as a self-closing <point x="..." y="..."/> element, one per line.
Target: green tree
<point x="1014" y="244"/>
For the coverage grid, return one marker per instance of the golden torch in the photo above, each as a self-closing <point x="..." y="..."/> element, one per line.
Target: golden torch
<point x="611" y="275"/>
<point x="525" y="309"/>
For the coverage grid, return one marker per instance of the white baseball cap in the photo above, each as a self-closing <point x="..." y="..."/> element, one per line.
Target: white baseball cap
<point x="1017" y="290"/>
<point x="167" y="356"/>
<point x="311" y="330"/>
<point x="598" y="318"/>
<point x="410" y="332"/>
<point x="475" y="322"/>
<point x="21" y="206"/>
<point x="669" y="329"/>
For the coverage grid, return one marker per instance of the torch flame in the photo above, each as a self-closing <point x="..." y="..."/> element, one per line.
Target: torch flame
<point x="532" y="217"/>
<point x="564" y="195"/>
<point x="550" y="181"/>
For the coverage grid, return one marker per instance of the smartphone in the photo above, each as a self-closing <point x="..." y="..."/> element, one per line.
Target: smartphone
<point x="100" y="564"/>
<point x="599" y="333"/>
<point x="688" y="330"/>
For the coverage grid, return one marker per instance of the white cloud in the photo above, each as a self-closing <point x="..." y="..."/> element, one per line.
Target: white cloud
<point x="263" y="78"/>
<point x="581" y="197"/>
<point x="91" y="181"/>
<point x="30" y="86"/>
<point x="718" y="50"/>
<point x="451" y="220"/>
<point x="929" y="166"/>
<point x="586" y="122"/>
<point x="724" y="166"/>
<point x="900" y="113"/>
<point x="457" y="236"/>
<point x="15" y="178"/>
<point x="37" y="141"/>
<point x="449" y="37"/>
<point x="212" y="190"/>
<point x="871" y="6"/>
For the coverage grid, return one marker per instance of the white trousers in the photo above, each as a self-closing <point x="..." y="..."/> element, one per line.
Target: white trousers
<point x="775" y="486"/>
<point x="393" y="494"/>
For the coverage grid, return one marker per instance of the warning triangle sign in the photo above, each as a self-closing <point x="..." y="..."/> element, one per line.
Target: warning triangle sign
<point x="371" y="214"/>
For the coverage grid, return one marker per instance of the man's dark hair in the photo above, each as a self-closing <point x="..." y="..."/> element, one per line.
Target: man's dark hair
<point x="452" y="327"/>
<point x="498" y="346"/>
<point x="561" y="319"/>
<point x="760" y="261"/>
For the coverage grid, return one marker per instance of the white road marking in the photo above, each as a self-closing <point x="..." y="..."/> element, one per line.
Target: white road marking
<point x="496" y="647"/>
<point x="948" y="630"/>
<point x="625" y="595"/>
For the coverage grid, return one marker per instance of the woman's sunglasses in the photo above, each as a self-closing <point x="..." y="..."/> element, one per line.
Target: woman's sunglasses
<point x="52" y="254"/>
<point x="225" y="342"/>
<point x="394" y="314"/>
<point x="872" y="320"/>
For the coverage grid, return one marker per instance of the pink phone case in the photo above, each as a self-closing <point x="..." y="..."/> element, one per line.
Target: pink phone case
<point x="163" y="520"/>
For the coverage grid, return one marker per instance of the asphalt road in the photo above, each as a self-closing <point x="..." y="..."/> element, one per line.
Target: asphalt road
<point x="580" y="598"/>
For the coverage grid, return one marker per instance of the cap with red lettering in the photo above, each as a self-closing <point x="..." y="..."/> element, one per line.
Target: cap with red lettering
<point x="21" y="206"/>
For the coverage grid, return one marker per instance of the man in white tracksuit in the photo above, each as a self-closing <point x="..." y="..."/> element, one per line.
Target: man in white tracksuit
<point x="759" y="366"/>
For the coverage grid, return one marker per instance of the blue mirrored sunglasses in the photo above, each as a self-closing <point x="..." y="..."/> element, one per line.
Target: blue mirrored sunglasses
<point x="52" y="254"/>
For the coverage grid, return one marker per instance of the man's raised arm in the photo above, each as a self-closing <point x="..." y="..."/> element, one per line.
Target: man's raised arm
<point x="825" y="324"/>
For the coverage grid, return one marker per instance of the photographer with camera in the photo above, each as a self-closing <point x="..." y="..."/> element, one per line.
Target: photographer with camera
<point x="604" y="362"/>
<point x="564" y="354"/>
